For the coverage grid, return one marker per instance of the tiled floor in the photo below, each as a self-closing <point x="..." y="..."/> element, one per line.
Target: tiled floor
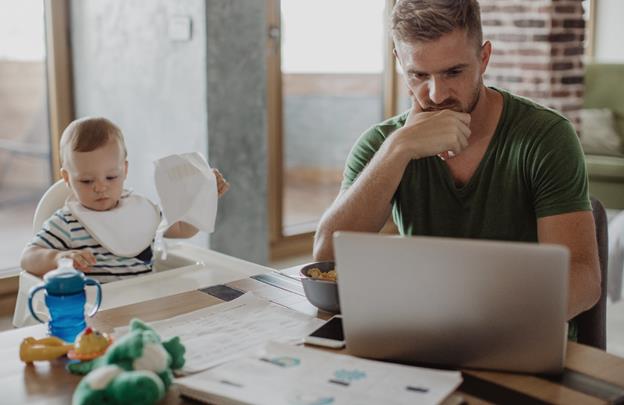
<point x="290" y="262"/>
<point x="15" y="232"/>
<point x="5" y="323"/>
<point x="307" y="194"/>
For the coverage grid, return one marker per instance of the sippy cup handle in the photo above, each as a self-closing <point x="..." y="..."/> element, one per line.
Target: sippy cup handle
<point x="98" y="297"/>
<point x="31" y="294"/>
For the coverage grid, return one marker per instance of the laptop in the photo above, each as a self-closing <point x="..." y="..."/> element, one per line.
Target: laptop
<point x="454" y="302"/>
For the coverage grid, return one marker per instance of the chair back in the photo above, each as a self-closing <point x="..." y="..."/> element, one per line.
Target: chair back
<point x="52" y="200"/>
<point x="592" y="324"/>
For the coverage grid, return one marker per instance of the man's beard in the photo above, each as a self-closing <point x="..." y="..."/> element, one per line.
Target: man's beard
<point x="475" y="97"/>
<point x="455" y="105"/>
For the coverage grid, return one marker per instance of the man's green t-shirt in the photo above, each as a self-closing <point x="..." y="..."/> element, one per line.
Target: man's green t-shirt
<point x="533" y="168"/>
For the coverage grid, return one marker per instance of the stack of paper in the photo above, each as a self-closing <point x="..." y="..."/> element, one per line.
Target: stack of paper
<point x="222" y="332"/>
<point x="288" y="375"/>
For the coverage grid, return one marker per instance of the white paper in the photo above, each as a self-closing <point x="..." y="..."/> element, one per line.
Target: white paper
<point x="285" y="375"/>
<point x="187" y="189"/>
<point x="225" y="331"/>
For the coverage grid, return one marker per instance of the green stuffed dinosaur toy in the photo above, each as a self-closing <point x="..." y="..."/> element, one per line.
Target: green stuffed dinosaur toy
<point x="136" y="369"/>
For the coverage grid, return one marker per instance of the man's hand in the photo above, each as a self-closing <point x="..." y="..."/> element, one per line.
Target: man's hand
<point x="82" y="259"/>
<point x="443" y="133"/>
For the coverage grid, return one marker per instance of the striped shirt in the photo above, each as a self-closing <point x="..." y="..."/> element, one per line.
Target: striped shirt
<point x="62" y="231"/>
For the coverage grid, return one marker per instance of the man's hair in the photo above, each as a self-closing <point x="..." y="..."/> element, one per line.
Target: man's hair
<point x="428" y="20"/>
<point x="88" y="134"/>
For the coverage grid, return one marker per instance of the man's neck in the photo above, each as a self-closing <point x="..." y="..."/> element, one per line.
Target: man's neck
<point x="481" y="123"/>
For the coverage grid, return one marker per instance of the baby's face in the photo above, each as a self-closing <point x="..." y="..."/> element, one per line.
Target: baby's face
<point x="97" y="177"/>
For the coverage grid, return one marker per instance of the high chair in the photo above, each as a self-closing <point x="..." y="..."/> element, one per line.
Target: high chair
<point x="52" y="200"/>
<point x="186" y="267"/>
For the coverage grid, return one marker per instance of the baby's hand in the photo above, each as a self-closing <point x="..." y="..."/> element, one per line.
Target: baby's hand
<point x="222" y="185"/>
<point x="83" y="259"/>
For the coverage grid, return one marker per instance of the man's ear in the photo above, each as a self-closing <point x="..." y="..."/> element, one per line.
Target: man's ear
<point x="484" y="55"/>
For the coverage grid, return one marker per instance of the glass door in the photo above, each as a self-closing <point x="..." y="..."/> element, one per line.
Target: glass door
<point x="25" y="170"/>
<point x="26" y="100"/>
<point x="330" y="60"/>
<point x="332" y="89"/>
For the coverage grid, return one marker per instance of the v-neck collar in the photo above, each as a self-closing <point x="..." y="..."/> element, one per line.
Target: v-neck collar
<point x="471" y="183"/>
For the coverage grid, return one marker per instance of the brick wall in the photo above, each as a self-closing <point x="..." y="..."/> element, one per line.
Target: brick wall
<point x="538" y="48"/>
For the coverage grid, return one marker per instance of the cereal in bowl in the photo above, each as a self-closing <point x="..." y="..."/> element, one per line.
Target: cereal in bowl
<point x="317" y="274"/>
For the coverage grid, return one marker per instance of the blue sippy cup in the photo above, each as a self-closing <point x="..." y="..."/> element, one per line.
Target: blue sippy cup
<point x="65" y="298"/>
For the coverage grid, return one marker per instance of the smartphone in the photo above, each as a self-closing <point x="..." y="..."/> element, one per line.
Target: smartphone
<point x="328" y="335"/>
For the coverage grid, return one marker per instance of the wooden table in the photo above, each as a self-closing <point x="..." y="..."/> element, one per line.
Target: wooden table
<point x="591" y="376"/>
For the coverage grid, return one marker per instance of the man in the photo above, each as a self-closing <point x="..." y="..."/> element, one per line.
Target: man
<point x="466" y="160"/>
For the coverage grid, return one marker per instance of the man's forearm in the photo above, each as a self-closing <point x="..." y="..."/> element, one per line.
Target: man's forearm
<point x="576" y="231"/>
<point x="583" y="289"/>
<point x="366" y="205"/>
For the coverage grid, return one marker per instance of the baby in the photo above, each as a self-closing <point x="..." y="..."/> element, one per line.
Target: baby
<point x="94" y="166"/>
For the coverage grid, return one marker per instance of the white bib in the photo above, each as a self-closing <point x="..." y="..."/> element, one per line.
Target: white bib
<point x="126" y="230"/>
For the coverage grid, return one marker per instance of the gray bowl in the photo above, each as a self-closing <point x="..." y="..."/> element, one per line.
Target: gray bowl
<point x="322" y="294"/>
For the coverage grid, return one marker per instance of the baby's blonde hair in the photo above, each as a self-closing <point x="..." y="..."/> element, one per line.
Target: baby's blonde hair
<point x="88" y="134"/>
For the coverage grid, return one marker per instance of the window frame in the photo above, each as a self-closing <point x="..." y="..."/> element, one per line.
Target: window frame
<point x="59" y="75"/>
<point x="590" y="31"/>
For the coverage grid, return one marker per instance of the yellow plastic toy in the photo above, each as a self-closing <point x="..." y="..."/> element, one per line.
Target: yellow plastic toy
<point x="89" y="345"/>
<point x="48" y="348"/>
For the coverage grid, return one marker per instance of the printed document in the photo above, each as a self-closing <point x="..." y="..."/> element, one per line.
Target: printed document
<point x="225" y="331"/>
<point x="281" y="374"/>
